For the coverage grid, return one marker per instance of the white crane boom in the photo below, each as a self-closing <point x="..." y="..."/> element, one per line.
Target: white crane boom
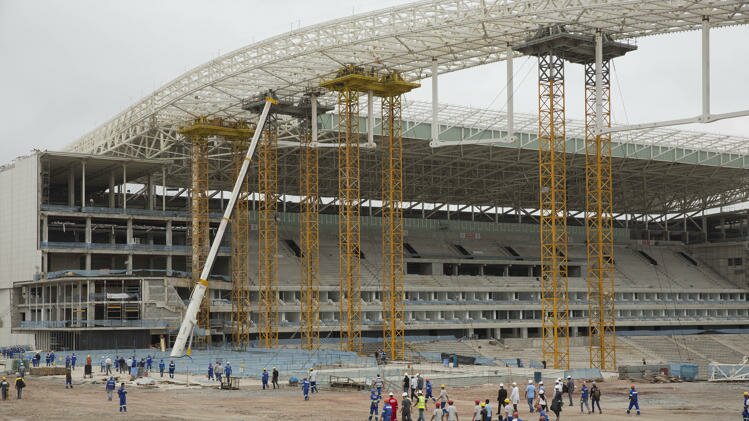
<point x="190" y="319"/>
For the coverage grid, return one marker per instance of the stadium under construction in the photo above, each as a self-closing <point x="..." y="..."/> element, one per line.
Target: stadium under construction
<point x="365" y="218"/>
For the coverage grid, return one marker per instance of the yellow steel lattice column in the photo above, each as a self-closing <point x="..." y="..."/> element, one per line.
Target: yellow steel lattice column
<point x="309" y="232"/>
<point x="599" y="224"/>
<point x="268" y="236"/>
<point x="349" y="224"/>
<point x="392" y="228"/>
<point x="199" y="231"/>
<point x="553" y="211"/>
<point x="240" y="238"/>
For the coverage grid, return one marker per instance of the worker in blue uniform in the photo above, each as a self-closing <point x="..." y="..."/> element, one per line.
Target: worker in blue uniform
<point x="265" y="379"/>
<point x="633" y="402"/>
<point x="122" y="393"/>
<point x="171" y="369"/>
<point x="305" y="389"/>
<point x="374" y="404"/>
<point x="161" y="367"/>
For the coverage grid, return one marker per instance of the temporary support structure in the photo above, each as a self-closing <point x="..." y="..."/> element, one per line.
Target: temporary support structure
<point x="599" y="221"/>
<point x="240" y="239"/>
<point x="393" y="306"/>
<point x="309" y="230"/>
<point x="190" y="319"/>
<point x="200" y="227"/>
<point x="552" y="163"/>
<point x="268" y="236"/>
<point x="349" y="82"/>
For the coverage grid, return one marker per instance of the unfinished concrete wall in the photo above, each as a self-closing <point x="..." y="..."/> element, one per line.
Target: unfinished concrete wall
<point x="20" y="258"/>
<point x="728" y="259"/>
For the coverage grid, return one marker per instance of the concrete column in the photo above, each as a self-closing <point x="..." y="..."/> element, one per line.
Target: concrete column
<point x="150" y="191"/>
<point x="89" y="306"/>
<point x="88" y="230"/>
<point x="130" y="264"/>
<point x="163" y="188"/>
<point x="169" y="232"/>
<point x="124" y="186"/>
<point x="497" y="333"/>
<point x="71" y="187"/>
<point x="530" y="271"/>
<point x="83" y="184"/>
<point x="111" y="189"/>
<point x="45" y="228"/>
<point x="506" y="271"/>
<point x="470" y="332"/>
<point x="524" y="333"/>
<point x="44" y="303"/>
<point x="88" y="261"/>
<point x="129" y="231"/>
<point x="573" y="332"/>
<point x="169" y="265"/>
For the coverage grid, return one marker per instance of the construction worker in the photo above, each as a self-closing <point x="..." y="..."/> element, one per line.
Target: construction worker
<point x="68" y="379"/>
<point x="374" y="404"/>
<point x="530" y="394"/>
<point x="558" y="401"/>
<point x="161" y="367"/>
<point x="108" y="365"/>
<point x="4" y="386"/>
<point x="542" y="415"/>
<point x="413" y="384"/>
<point x="22" y="370"/>
<point x="87" y="368"/>
<point x="46" y="359"/>
<point x="387" y="411"/>
<point x="210" y="371"/>
<point x="595" y="397"/>
<point x="406" y="408"/>
<point x="744" y="414"/>
<point x="67" y="361"/>
<point x="542" y="400"/>
<point x="443" y="398"/>
<point x="633" y="400"/>
<point x="501" y="396"/>
<point x="428" y="392"/>
<point x="305" y="389"/>
<point x="274" y="379"/>
<point x="313" y="381"/>
<point x="477" y="411"/>
<point x="437" y="415"/>
<point x="52" y="358"/>
<point x="109" y="387"/>
<point x="451" y="412"/>
<point x="584" y="393"/>
<point x="264" y="378"/>
<point x="20" y="384"/>
<point x="516" y="416"/>
<point x="122" y="393"/>
<point x="570" y="386"/>
<point x="419" y="382"/>
<point x="421" y="405"/>
<point x="102" y="364"/>
<point x="488" y="409"/>
<point x="378" y="384"/>
<point x="228" y="371"/>
<point x="508" y="409"/>
<point x="171" y="369"/>
<point x="218" y="371"/>
<point x="515" y="396"/>
<point x="483" y="414"/>
<point x="394" y="405"/>
<point x="149" y="363"/>
<point x="406" y="382"/>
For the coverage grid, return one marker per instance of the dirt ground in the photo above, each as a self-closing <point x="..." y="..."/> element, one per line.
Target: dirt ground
<point x="46" y="398"/>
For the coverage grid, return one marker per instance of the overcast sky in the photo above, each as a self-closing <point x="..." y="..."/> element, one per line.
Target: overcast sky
<point x="66" y="67"/>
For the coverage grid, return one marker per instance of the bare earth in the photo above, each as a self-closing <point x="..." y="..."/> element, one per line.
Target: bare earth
<point x="46" y="398"/>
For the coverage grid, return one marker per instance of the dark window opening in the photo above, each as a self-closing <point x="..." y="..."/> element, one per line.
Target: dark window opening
<point x="512" y="251"/>
<point x="462" y="250"/>
<point x="648" y="258"/>
<point x="294" y="247"/>
<point x="494" y="270"/>
<point x="516" y="270"/>
<point x="417" y="268"/>
<point x="449" y="269"/>
<point x="470" y="270"/>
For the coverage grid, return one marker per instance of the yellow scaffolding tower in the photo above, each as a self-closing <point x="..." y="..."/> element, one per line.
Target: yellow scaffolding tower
<point x="599" y="224"/>
<point x="198" y="131"/>
<point x="553" y="211"/>
<point x="349" y="82"/>
<point x="391" y="88"/>
<point x="240" y="239"/>
<point x="268" y="236"/>
<point x="200" y="228"/>
<point x="309" y="231"/>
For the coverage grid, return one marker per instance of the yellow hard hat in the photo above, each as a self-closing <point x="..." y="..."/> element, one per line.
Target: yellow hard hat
<point x="442" y="386"/>
<point x="507" y="401"/>
<point x="745" y="393"/>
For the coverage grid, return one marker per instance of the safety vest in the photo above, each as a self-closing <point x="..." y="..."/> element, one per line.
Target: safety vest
<point x="422" y="403"/>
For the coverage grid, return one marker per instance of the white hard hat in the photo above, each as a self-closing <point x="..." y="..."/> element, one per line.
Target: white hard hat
<point x="569" y="377"/>
<point x="514" y="384"/>
<point x="541" y="382"/>
<point x="405" y="394"/>
<point x="501" y="385"/>
<point x="530" y="381"/>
